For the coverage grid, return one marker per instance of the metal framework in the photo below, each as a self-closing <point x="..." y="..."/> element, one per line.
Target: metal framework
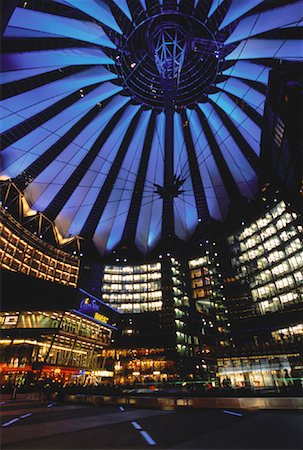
<point x="170" y="49"/>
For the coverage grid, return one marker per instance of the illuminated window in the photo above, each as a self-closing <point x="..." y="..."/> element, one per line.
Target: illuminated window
<point x="285" y="282"/>
<point x="296" y="260"/>
<point x="280" y="269"/>
<point x="279" y="132"/>
<point x="138" y="290"/>
<point x="31" y="257"/>
<point x="272" y="243"/>
<point x="298" y="276"/>
<point x="197" y="262"/>
<point x="291" y="296"/>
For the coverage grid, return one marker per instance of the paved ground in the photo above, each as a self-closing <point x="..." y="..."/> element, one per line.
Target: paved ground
<point x="36" y="425"/>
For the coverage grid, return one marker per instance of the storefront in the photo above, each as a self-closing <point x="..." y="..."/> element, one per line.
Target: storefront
<point x="257" y="371"/>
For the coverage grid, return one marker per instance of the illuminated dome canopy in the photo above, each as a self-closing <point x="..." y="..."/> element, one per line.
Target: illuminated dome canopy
<point x="132" y="120"/>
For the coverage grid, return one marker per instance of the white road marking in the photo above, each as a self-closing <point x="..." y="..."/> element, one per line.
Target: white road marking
<point x="51" y="404"/>
<point x="25" y="415"/>
<point x="136" y="425"/>
<point x="10" y="422"/>
<point x="147" y="438"/>
<point x="144" y="433"/>
<point x="232" y="413"/>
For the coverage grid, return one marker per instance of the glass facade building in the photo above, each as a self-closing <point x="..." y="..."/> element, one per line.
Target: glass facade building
<point x="157" y="338"/>
<point x="31" y="244"/>
<point x="22" y="251"/>
<point x="133" y="289"/>
<point x="67" y="339"/>
<point x="267" y="258"/>
<point x="57" y="342"/>
<point x="268" y="254"/>
<point x="207" y="296"/>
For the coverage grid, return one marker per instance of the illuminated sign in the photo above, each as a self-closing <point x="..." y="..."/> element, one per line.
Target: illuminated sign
<point x="102" y="373"/>
<point x="101" y="317"/>
<point x="11" y="320"/>
<point x="88" y="305"/>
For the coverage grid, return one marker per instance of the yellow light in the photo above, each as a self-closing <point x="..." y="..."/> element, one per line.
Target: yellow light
<point x="101" y="317"/>
<point x="103" y="373"/>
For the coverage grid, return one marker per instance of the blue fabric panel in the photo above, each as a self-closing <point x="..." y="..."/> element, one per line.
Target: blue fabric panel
<point x="291" y="50"/>
<point x="185" y="210"/>
<point x="59" y="170"/>
<point x="52" y="25"/>
<point x="93" y="180"/>
<point x="247" y="127"/>
<point x="268" y="20"/>
<point x="143" y="3"/>
<point x="54" y="58"/>
<point x="215" y="4"/>
<point x="9" y="77"/>
<point x="17" y="157"/>
<point x="16" y="32"/>
<point x="239" y="167"/>
<point x="122" y="4"/>
<point x="150" y="218"/>
<point x="248" y="71"/>
<point x="112" y="222"/>
<point x="237" y="9"/>
<point x="15" y="110"/>
<point x="209" y="174"/>
<point x="245" y="92"/>
<point x="97" y="9"/>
